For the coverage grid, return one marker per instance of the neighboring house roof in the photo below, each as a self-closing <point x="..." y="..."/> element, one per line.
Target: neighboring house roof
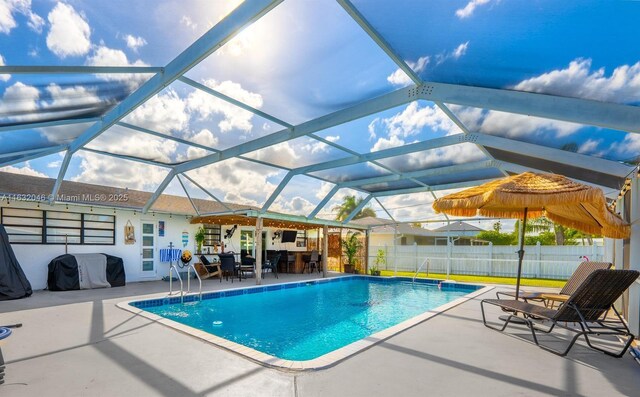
<point x="386" y="226"/>
<point x="458" y="226"/>
<point x="98" y="195"/>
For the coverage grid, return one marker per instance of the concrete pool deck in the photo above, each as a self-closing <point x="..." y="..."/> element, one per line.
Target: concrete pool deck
<point x="78" y="343"/>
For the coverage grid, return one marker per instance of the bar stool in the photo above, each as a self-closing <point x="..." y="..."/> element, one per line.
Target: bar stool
<point x="291" y="260"/>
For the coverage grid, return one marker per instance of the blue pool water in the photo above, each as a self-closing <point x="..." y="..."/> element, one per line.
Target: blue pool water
<point x="302" y="321"/>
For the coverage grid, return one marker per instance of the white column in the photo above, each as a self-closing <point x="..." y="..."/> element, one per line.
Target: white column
<point x="258" y="245"/>
<point x="395" y="250"/>
<point x="634" y="256"/>
<point x="490" y="258"/>
<point x="325" y="249"/>
<point x="448" y="248"/>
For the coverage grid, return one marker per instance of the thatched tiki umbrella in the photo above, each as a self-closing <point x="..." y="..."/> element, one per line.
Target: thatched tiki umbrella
<point x="532" y="195"/>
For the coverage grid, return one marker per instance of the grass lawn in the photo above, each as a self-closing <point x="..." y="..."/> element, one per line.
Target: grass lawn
<point x="533" y="282"/>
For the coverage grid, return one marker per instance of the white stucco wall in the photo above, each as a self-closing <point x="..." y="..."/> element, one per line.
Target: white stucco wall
<point x="34" y="258"/>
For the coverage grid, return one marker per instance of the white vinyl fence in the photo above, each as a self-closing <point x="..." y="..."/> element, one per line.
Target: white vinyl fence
<point x="540" y="261"/>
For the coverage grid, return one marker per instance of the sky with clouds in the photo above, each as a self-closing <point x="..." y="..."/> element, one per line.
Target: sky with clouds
<point x="303" y="60"/>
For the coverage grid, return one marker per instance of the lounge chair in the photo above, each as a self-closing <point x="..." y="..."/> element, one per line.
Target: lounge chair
<point x="207" y="269"/>
<point x="587" y="307"/>
<point x="582" y="272"/>
<point x="272" y="264"/>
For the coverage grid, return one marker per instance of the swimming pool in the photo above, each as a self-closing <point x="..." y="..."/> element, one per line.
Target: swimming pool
<point x="307" y="321"/>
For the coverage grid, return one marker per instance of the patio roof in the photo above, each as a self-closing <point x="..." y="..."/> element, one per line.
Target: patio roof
<point x="447" y="101"/>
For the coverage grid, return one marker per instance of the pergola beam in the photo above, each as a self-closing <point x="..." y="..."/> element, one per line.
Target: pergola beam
<point x="60" y="69"/>
<point x="127" y="157"/>
<point x="464" y="129"/>
<point x="358" y="208"/>
<point x="324" y="201"/>
<point x="446" y="186"/>
<point x="447" y="170"/>
<point x="44" y="124"/>
<point x="551" y="154"/>
<point x="242" y="16"/>
<point x="299" y="218"/>
<point x="380" y="41"/>
<point x="167" y="179"/>
<point x="339" y="117"/>
<point x="188" y="195"/>
<point x="235" y="102"/>
<point x="385" y="209"/>
<point x="363" y="109"/>
<point x="574" y="110"/>
<point x="385" y="153"/>
<point x="207" y="192"/>
<point x="283" y="183"/>
<point x="518" y="169"/>
<point x="27" y="155"/>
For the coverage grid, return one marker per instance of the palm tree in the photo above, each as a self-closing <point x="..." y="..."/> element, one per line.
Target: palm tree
<point x="349" y="204"/>
<point x="545" y="225"/>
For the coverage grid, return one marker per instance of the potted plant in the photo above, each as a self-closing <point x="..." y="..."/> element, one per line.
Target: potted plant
<point x="380" y="261"/>
<point x="350" y="246"/>
<point x="199" y="237"/>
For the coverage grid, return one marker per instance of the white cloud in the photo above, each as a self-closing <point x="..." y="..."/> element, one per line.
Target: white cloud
<point x="105" y="56"/>
<point x="325" y="188"/>
<point x="205" y="105"/>
<point x="103" y="170"/>
<point x="296" y="205"/>
<point x="460" y="50"/>
<point x="282" y="153"/>
<point x="590" y="147"/>
<point x="332" y="138"/>
<point x="165" y="112"/>
<point x="240" y="181"/>
<point x="400" y="78"/>
<point x="134" y="42"/>
<point x="454" y="54"/>
<point x="75" y="95"/>
<point x="63" y="133"/>
<point x="54" y="164"/>
<point x="410" y="122"/>
<point x="18" y="101"/>
<point x="413" y="119"/>
<point x="24" y="170"/>
<point x="188" y="22"/>
<point x="469" y="9"/>
<point x="203" y="137"/>
<point x="315" y="147"/>
<point x="517" y="125"/>
<point x="630" y="147"/>
<point x="10" y="7"/>
<point x="70" y="33"/>
<point x="578" y="80"/>
<point x="3" y="77"/>
<point x="36" y="22"/>
<point x="384" y="143"/>
<point x="118" y="140"/>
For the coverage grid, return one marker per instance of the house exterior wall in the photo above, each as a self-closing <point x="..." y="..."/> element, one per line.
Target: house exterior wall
<point x="34" y="258"/>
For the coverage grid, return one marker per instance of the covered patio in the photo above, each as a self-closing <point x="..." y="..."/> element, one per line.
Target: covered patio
<point x="88" y="345"/>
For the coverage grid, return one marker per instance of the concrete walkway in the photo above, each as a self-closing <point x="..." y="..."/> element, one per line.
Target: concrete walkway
<point x="78" y="343"/>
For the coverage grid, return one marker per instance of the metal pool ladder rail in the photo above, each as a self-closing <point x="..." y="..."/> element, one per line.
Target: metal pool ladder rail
<point x="189" y="267"/>
<point x="425" y="262"/>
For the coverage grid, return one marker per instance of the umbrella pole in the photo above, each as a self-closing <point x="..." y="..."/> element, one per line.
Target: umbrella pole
<point x="521" y="253"/>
